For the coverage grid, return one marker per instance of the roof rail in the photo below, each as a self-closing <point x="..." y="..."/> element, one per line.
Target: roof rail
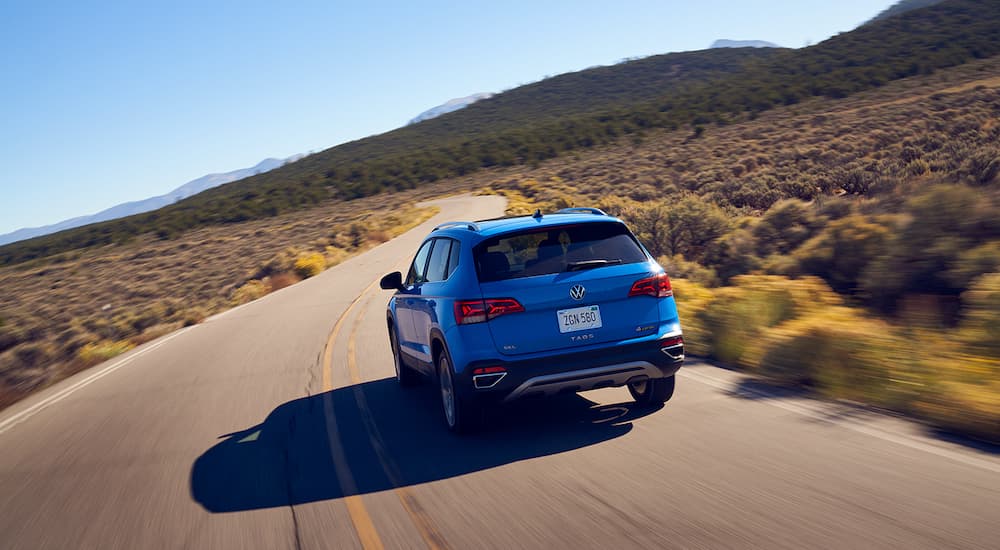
<point x="471" y="226"/>
<point x="582" y="210"/>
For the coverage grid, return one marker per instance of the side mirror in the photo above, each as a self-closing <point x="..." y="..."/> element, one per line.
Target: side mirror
<point x="392" y="281"/>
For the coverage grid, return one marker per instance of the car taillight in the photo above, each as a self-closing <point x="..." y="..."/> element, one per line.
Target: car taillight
<point x="478" y="311"/>
<point x="671" y="342"/>
<point x="489" y="370"/>
<point x="657" y="287"/>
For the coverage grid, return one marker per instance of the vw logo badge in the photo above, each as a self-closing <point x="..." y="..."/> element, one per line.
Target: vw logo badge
<point x="577" y="292"/>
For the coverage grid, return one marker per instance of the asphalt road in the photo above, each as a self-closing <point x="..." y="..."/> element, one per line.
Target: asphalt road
<point x="278" y="425"/>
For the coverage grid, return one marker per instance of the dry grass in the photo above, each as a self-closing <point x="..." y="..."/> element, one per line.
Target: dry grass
<point x="923" y="128"/>
<point x="64" y="315"/>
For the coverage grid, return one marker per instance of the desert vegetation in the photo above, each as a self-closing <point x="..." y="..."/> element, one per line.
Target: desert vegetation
<point x="801" y="334"/>
<point x="62" y="316"/>
<point x="827" y="245"/>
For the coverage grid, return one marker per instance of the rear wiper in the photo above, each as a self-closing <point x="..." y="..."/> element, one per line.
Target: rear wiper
<point x="590" y="264"/>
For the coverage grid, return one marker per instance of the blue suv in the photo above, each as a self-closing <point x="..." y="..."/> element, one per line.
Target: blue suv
<point x="503" y="309"/>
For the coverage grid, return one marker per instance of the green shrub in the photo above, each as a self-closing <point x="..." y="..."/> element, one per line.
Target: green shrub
<point x="981" y="168"/>
<point x="777" y="264"/>
<point x="854" y="182"/>
<point x="933" y="248"/>
<point x="98" y="352"/>
<point x="733" y="254"/>
<point x="842" y="251"/>
<point x="918" y="167"/>
<point x="973" y="263"/>
<point x="677" y="266"/>
<point x="34" y="354"/>
<point x="677" y="227"/>
<point x="784" y="227"/>
<point x="980" y="326"/>
<point x="11" y="335"/>
<point x="192" y="316"/>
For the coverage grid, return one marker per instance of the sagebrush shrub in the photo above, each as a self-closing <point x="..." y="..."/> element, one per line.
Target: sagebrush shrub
<point x="250" y="291"/>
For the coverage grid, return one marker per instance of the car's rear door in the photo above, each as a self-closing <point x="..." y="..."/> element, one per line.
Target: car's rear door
<point x="426" y="300"/>
<point x="405" y="300"/>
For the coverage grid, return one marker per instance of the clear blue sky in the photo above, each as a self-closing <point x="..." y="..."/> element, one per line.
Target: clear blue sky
<point x="106" y="102"/>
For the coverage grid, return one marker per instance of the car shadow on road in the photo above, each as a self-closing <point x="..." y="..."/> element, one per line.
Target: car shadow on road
<point x="288" y="458"/>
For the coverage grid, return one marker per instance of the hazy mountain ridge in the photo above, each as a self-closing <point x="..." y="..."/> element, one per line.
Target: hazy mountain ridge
<point x="725" y="43"/>
<point x="450" y="106"/>
<point x="130" y="208"/>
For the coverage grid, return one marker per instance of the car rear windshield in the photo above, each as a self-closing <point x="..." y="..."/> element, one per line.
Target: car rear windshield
<point x="555" y="250"/>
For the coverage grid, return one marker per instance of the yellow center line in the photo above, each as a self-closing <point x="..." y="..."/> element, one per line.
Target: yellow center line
<point x="328" y="351"/>
<point x="421" y="519"/>
<point x="363" y="525"/>
<point x="360" y="517"/>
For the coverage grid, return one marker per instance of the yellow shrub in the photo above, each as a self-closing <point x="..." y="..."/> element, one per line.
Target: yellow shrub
<point x="308" y="265"/>
<point x="736" y="320"/>
<point x="973" y="409"/>
<point x="97" y="352"/>
<point x="692" y="299"/>
<point x="517" y="203"/>
<point x="406" y="218"/>
<point x="841" y="354"/>
<point x="250" y="291"/>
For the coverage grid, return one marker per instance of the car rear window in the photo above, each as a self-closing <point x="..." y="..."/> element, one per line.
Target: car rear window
<point x="556" y="249"/>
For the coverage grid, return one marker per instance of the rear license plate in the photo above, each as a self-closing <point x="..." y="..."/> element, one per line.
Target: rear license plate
<point x="579" y="318"/>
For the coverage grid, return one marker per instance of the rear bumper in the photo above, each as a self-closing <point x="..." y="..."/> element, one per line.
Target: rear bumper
<point x="572" y="372"/>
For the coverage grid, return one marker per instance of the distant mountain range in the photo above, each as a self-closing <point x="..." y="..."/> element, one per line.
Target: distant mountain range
<point x="723" y="43"/>
<point x="449" y="106"/>
<point x="584" y="110"/>
<point x="190" y="188"/>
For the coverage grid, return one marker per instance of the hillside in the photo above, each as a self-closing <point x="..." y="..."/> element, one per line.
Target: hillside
<point x="860" y="160"/>
<point x="577" y="111"/>
<point x="903" y="6"/>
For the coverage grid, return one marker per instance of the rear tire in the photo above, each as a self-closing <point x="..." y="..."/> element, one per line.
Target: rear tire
<point x="461" y="416"/>
<point x="405" y="376"/>
<point x="652" y="392"/>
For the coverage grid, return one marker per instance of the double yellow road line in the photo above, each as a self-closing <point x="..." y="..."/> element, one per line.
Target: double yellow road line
<point x="363" y="525"/>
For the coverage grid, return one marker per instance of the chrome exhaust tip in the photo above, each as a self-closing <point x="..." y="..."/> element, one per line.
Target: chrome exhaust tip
<point x="487" y="381"/>
<point x="674" y="352"/>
